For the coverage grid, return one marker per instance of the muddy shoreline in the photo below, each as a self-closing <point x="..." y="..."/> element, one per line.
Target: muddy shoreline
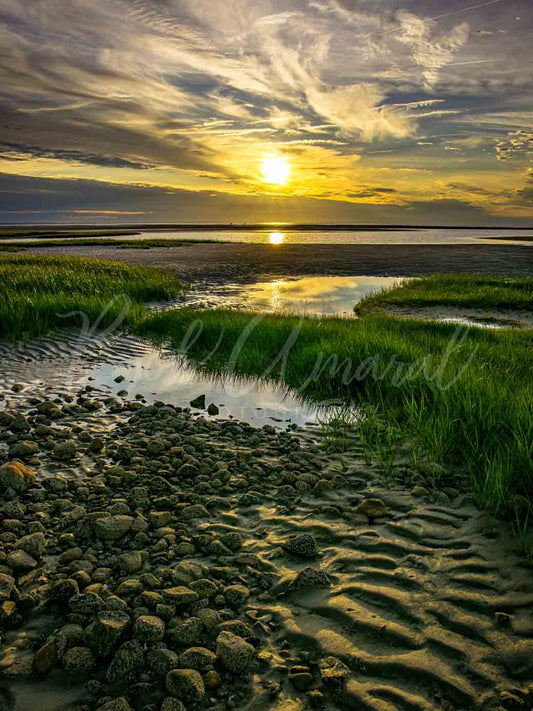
<point x="149" y="555"/>
<point x="250" y="262"/>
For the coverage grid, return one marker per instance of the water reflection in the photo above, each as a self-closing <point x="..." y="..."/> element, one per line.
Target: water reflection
<point x="310" y="295"/>
<point x="276" y="238"/>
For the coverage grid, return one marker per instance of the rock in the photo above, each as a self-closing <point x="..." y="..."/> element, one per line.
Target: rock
<point x="198" y="403"/>
<point x="236" y="595"/>
<point x="172" y="704"/>
<point x="187" y="631"/>
<point x="65" y="589"/>
<point x="235" y="654"/>
<point x="186" y="684"/>
<point x="129" y="657"/>
<point x="96" y="445"/>
<point x="332" y="671"/>
<point x="20" y="560"/>
<point x="162" y="660"/>
<point x="112" y="528"/>
<point x="16" y="476"/>
<point x="195" y="511"/>
<point x="213" y="409"/>
<point x="105" y="631"/>
<point x="204" y="587"/>
<point x="198" y="658"/>
<point x="79" y="661"/>
<point x="45" y="657"/>
<point x="33" y="544"/>
<point x="232" y="540"/>
<point x="148" y="628"/>
<point x="130" y="562"/>
<point x="86" y="603"/>
<point x="119" y="704"/>
<point x="7" y="586"/>
<point x="373" y="508"/>
<point x="66" y="451"/>
<point x="23" y="450"/>
<point x="302" y="546"/>
<point x="180" y="595"/>
<point x="311" y="578"/>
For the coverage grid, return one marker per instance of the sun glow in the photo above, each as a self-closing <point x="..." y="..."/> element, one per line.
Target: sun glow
<point x="276" y="238"/>
<point x="275" y="170"/>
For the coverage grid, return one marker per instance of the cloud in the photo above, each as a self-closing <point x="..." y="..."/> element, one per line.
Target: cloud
<point x="430" y="49"/>
<point x="516" y="143"/>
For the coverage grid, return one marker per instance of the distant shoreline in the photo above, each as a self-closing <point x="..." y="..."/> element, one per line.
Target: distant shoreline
<point x="47" y="230"/>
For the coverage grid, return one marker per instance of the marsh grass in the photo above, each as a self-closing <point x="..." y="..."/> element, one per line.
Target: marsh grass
<point x="468" y="410"/>
<point x="36" y="291"/>
<point x="454" y="290"/>
<point x="7" y="245"/>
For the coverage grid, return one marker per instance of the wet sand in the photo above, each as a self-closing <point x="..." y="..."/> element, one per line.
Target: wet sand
<point x="248" y="262"/>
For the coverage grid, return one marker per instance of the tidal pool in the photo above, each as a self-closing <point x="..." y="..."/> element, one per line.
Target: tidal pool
<point x="320" y="295"/>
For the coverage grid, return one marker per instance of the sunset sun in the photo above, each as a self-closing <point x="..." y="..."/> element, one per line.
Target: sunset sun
<point x="275" y="170"/>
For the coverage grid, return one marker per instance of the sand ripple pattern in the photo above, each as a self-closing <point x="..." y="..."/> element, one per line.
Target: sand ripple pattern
<point x="426" y="610"/>
<point x="61" y="362"/>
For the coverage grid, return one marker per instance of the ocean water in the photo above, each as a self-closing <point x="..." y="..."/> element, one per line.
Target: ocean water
<point x="277" y="235"/>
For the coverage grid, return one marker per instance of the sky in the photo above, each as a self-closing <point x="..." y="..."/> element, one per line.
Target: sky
<point x="369" y="111"/>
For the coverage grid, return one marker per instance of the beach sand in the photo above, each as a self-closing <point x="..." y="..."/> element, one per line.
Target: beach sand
<point x="251" y="262"/>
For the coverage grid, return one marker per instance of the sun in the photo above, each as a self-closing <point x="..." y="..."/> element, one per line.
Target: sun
<point x="275" y="170"/>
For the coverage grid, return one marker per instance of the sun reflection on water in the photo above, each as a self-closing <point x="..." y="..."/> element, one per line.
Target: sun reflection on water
<point x="276" y="238"/>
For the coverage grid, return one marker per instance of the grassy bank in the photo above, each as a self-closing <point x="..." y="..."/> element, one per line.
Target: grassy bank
<point x="35" y="291"/>
<point x="457" y="290"/>
<point x="467" y="405"/>
<point x="47" y="234"/>
<point x="7" y="246"/>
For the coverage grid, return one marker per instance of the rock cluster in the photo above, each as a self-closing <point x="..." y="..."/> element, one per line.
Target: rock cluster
<point x="146" y="604"/>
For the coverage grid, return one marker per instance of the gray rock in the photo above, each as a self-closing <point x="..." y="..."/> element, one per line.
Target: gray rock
<point x="180" y="595"/>
<point x="23" y="450"/>
<point x="20" y="560"/>
<point x="172" y="704"/>
<point x="311" y="578"/>
<point x="236" y="655"/>
<point x="119" y="704"/>
<point x="112" y="528"/>
<point x="186" y="684"/>
<point x="236" y="595"/>
<point x="195" y="511"/>
<point x="162" y="660"/>
<point x="148" y="628"/>
<point x="66" y="450"/>
<point x="105" y="631"/>
<point x="128" y="658"/>
<point x="198" y="403"/>
<point x="16" y="476"/>
<point x="79" y="661"/>
<point x="213" y="409"/>
<point x="302" y="546"/>
<point x="186" y="632"/>
<point x="198" y="658"/>
<point x="131" y="561"/>
<point x="33" y="544"/>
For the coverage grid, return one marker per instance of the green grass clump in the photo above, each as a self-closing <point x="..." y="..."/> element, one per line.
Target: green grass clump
<point x="465" y="404"/>
<point x="36" y="291"/>
<point x="454" y="290"/>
